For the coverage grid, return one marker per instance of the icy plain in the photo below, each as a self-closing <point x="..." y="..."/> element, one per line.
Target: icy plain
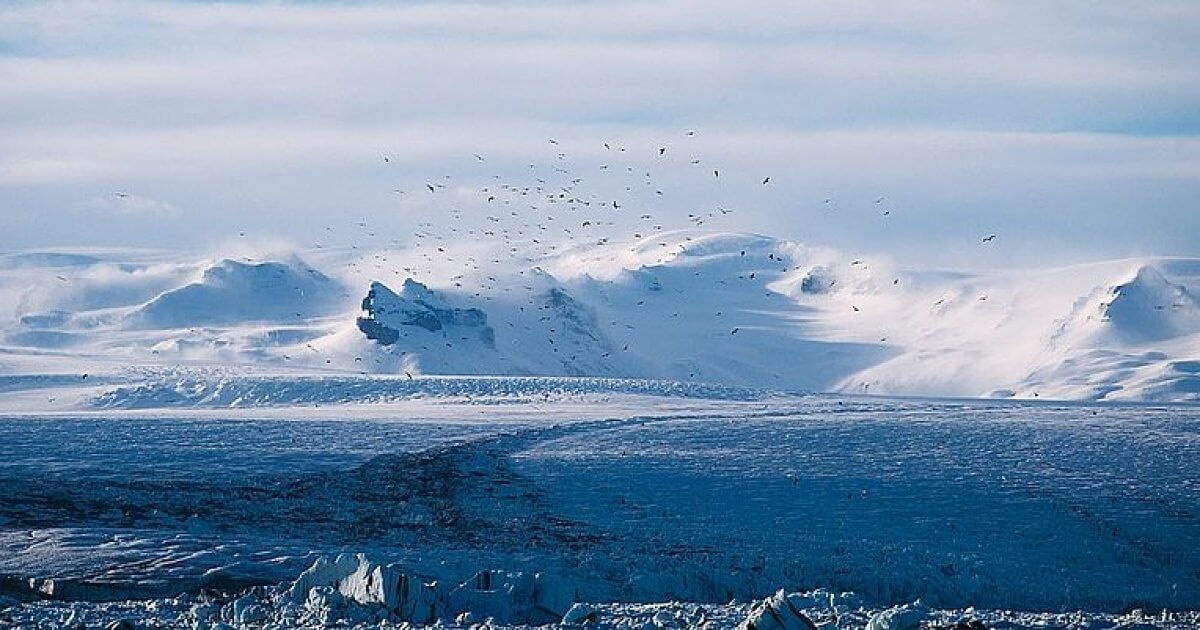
<point x="629" y="496"/>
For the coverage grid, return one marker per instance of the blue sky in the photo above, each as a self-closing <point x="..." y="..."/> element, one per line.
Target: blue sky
<point x="1070" y="128"/>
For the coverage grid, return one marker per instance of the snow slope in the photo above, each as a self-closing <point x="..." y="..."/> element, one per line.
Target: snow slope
<point x="233" y="292"/>
<point x="691" y="305"/>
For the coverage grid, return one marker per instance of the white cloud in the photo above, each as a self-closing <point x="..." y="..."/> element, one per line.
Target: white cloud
<point x="128" y="204"/>
<point x="248" y="112"/>
<point x="48" y="169"/>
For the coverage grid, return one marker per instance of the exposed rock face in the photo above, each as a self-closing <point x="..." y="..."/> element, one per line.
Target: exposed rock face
<point x="576" y="334"/>
<point x="386" y="313"/>
<point x="818" y="280"/>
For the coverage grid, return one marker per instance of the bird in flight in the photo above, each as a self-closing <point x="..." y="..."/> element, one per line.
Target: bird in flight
<point x="989" y="238"/>
<point x="766" y="180"/>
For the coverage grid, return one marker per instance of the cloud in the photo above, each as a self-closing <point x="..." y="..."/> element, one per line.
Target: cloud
<point x="48" y="169"/>
<point x="275" y="116"/>
<point x="129" y="204"/>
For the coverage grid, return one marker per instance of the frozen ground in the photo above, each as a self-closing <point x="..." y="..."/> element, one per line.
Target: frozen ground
<point x="634" y="496"/>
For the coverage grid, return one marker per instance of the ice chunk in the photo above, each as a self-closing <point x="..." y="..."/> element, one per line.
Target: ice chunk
<point x="358" y="579"/>
<point x="248" y="610"/>
<point x="580" y="614"/>
<point x="403" y="595"/>
<point x="323" y="572"/>
<point x="778" y="612"/>
<point x="513" y="598"/>
<point x="906" y="617"/>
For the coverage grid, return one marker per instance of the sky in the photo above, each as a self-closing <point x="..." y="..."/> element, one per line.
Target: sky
<point x="1069" y="129"/>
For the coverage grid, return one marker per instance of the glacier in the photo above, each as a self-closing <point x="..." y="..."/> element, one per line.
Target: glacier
<point x="693" y="429"/>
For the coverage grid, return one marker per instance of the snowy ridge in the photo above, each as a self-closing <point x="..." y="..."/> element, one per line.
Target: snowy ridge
<point x="236" y="292"/>
<point x="693" y="306"/>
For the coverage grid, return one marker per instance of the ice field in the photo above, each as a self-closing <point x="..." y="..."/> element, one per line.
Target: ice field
<point x="636" y="498"/>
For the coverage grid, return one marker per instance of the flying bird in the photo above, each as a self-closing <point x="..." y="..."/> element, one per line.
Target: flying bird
<point x="989" y="238"/>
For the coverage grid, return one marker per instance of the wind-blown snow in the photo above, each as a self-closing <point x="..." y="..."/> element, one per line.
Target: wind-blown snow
<point x="691" y="306"/>
<point x="232" y="292"/>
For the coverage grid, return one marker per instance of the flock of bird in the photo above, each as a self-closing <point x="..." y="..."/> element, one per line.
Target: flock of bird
<point x="563" y="202"/>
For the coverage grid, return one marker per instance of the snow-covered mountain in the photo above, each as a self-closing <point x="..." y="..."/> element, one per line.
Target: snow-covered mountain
<point x="232" y="292"/>
<point x="691" y="305"/>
